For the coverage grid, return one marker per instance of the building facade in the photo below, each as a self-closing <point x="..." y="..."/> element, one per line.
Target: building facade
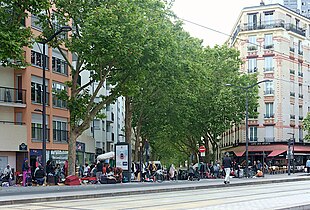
<point x="110" y="130"/>
<point x="274" y="43"/>
<point x="21" y="96"/>
<point x="300" y="6"/>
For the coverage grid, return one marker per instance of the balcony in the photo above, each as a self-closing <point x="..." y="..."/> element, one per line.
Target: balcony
<point x="273" y="24"/>
<point x="269" y="69"/>
<point x="110" y="116"/>
<point x="267" y="116"/>
<point x="292" y="94"/>
<point x="12" y="135"/>
<point x="37" y="134"/>
<point x="110" y="137"/>
<point x="12" y="97"/>
<point x="60" y="136"/>
<point x="252" y="70"/>
<point x="268" y="92"/>
<point x="252" y="48"/>
<point x="269" y="139"/>
<point x="269" y="46"/>
<point x="292" y="117"/>
<point x="253" y="139"/>
<point x="292" y="71"/>
<point x="300" y="95"/>
<point x="300" y="74"/>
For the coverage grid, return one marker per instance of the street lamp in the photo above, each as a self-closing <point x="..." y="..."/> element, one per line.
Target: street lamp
<point x="293" y="151"/>
<point x="45" y="41"/>
<point x="246" y="89"/>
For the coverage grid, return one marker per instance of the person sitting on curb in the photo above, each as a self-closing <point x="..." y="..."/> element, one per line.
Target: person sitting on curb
<point x="39" y="175"/>
<point x="7" y="175"/>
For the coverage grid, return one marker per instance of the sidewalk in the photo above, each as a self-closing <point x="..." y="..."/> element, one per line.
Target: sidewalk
<point x="18" y="195"/>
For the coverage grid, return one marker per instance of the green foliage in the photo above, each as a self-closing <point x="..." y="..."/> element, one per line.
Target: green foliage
<point x="306" y="126"/>
<point x="13" y="33"/>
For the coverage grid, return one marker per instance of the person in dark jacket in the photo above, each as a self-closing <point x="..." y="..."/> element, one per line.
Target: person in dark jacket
<point x="227" y="166"/>
<point x="39" y="175"/>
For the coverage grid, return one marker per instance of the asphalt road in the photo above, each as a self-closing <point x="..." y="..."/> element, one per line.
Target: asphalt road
<point x="267" y="196"/>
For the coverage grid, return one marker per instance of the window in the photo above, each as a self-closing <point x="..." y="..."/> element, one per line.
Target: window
<point x="252" y="21"/>
<point x="268" y="41"/>
<point x="97" y="124"/>
<point x="268" y="19"/>
<point x="300" y="132"/>
<point x="37" y="93"/>
<point x="269" y="88"/>
<point x="35" y="23"/>
<point x="269" y="110"/>
<point x="292" y="48"/>
<point x="300" y="110"/>
<point x="59" y="64"/>
<point x="37" y="127"/>
<point x="268" y="64"/>
<point x="37" y="58"/>
<point x="300" y="52"/>
<point x="292" y="112"/>
<point x="252" y="65"/>
<point x="253" y="133"/>
<point x="269" y="133"/>
<point x="300" y="74"/>
<point x="60" y="131"/>
<point x="252" y="43"/>
<point x="300" y="95"/>
<point x="57" y="88"/>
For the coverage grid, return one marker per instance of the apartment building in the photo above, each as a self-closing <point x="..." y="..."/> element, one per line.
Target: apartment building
<point x="274" y="43"/>
<point x="110" y="130"/>
<point x="300" y="6"/>
<point x="21" y="99"/>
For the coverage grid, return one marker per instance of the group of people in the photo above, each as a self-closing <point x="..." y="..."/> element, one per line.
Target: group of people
<point x="53" y="174"/>
<point x="100" y="168"/>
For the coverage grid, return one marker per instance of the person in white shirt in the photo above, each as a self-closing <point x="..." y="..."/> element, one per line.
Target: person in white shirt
<point x="86" y="170"/>
<point x="7" y="174"/>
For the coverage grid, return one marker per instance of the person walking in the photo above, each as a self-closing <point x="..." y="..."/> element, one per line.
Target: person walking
<point x="308" y="165"/>
<point x="25" y="169"/>
<point x="8" y="175"/>
<point x="227" y="166"/>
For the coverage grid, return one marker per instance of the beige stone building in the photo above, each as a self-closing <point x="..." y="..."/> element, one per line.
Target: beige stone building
<point x="274" y="43"/>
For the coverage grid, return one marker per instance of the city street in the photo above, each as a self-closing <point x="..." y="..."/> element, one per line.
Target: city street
<point x="271" y="196"/>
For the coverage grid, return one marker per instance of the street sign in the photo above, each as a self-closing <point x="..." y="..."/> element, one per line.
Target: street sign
<point x="202" y="149"/>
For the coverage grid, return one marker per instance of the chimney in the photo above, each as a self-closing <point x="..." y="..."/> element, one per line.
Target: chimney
<point x="262" y="3"/>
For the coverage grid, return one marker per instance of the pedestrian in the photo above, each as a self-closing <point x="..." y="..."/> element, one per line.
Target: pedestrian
<point x="99" y="169"/>
<point x="7" y="175"/>
<point x="191" y="172"/>
<point x="227" y="166"/>
<point x="216" y="168"/>
<point x="25" y="169"/>
<point x="172" y="172"/>
<point x="39" y="175"/>
<point x="308" y="165"/>
<point x="86" y="170"/>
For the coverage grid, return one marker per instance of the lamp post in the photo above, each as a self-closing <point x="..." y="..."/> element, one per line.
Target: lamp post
<point x="44" y="42"/>
<point x="141" y="167"/>
<point x="293" y="135"/>
<point x="246" y="89"/>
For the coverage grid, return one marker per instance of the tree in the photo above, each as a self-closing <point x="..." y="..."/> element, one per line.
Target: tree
<point x="13" y="34"/>
<point x="114" y="40"/>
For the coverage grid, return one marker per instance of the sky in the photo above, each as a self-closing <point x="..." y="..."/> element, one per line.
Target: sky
<point x="220" y="15"/>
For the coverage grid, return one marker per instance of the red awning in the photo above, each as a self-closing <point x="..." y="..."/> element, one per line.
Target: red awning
<point x="239" y="154"/>
<point x="276" y="152"/>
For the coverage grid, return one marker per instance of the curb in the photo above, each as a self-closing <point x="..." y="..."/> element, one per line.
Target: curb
<point x="138" y="192"/>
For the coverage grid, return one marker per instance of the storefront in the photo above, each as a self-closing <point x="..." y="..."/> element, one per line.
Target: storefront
<point x="271" y="153"/>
